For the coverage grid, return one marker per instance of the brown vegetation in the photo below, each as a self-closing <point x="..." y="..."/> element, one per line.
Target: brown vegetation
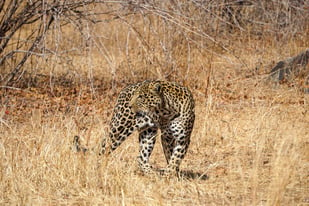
<point x="250" y="142"/>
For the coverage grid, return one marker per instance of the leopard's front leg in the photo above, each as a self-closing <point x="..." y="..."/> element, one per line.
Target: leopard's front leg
<point x="147" y="139"/>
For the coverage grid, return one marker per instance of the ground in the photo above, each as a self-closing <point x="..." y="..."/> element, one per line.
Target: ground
<point x="248" y="147"/>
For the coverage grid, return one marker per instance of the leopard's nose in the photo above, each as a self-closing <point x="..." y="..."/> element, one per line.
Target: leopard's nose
<point x="132" y="106"/>
<point x="132" y="101"/>
<point x="134" y="109"/>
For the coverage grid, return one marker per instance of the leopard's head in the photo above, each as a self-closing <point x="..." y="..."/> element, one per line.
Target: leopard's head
<point x="147" y="99"/>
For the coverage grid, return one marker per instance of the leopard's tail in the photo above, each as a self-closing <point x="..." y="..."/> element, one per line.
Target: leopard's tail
<point x="77" y="147"/>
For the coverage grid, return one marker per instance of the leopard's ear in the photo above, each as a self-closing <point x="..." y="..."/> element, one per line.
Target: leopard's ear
<point x="157" y="87"/>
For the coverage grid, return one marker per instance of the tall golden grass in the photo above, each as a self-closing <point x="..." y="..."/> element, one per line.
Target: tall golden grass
<point x="250" y="141"/>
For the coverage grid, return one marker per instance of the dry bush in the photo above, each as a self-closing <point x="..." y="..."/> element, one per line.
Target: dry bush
<point x="135" y="40"/>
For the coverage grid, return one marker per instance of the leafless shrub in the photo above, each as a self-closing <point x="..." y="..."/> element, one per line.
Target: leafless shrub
<point x="167" y="32"/>
<point x="23" y="29"/>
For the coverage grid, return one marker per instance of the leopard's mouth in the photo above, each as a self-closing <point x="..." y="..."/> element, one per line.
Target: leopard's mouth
<point x="140" y="114"/>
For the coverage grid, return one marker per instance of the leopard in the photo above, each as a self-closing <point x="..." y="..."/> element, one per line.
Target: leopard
<point x="147" y="107"/>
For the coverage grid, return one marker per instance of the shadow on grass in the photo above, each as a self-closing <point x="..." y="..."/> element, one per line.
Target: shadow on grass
<point x="193" y="175"/>
<point x="187" y="174"/>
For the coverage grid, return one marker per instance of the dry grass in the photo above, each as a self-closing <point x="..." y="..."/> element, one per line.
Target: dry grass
<point x="249" y="145"/>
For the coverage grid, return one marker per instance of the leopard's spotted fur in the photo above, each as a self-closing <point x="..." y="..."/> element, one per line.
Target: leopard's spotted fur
<point x="148" y="106"/>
